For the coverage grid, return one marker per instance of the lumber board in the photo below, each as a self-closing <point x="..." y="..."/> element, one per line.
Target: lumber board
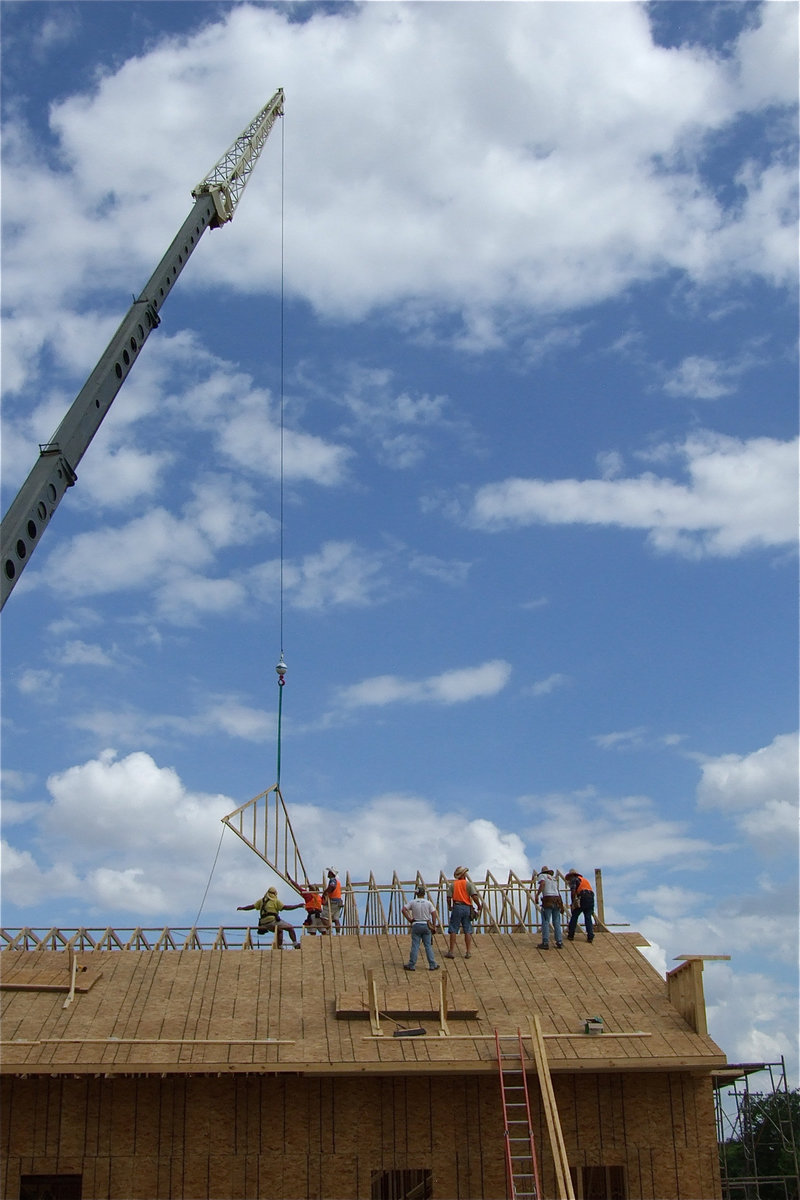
<point x="563" y="1181"/>
<point x="433" y="1065"/>
<point x="47" y="981"/>
<point x="113" y="1042"/>
<point x="410" y="1009"/>
<point x="416" y="1001"/>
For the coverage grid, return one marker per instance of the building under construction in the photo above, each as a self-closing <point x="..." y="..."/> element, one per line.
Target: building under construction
<point x="201" y="1063"/>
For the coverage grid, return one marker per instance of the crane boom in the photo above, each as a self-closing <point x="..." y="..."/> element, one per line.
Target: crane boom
<point x="216" y="198"/>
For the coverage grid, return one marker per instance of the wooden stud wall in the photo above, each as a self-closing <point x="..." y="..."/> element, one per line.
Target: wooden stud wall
<point x="208" y="1137"/>
<point x="685" y="991"/>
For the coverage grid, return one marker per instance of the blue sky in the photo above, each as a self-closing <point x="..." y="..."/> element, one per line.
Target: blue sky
<point x="540" y="463"/>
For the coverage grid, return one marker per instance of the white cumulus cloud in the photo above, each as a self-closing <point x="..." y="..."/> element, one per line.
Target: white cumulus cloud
<point x="736" y="496"/>
<point x="759" y="791"/>
<point x="598" y="134"/>
<point x="450" y="687"/>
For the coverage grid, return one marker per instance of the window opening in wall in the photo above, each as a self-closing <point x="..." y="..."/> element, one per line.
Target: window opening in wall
<point x="50" y="1187"/>
<point x="599" y="1183"/>
<point x="402" y="1185"/>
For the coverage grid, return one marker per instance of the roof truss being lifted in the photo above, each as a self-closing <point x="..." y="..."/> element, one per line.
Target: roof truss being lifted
<point x="263" y="824"/>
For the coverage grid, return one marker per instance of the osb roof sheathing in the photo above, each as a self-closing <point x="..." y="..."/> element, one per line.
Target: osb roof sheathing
<point x="263" y="1011"/>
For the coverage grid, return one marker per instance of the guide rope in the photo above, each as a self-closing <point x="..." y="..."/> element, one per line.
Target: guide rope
<point x="211" y="876"/>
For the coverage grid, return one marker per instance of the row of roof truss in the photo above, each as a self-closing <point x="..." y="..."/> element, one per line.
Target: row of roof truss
<point x="369" y="908"/>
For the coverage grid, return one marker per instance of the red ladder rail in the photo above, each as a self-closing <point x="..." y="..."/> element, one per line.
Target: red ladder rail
<point x="522" y="1167"/>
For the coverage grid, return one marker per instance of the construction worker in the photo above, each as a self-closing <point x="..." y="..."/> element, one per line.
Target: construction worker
<point x="332" y="897"/>
<point x="315" y="921"/>
<point x="552" y="906"/>
<point x="582" y="899"/>
<point x="461" y="894"/>
<point x="423" y="918"/>
<point x="269" y="919"/>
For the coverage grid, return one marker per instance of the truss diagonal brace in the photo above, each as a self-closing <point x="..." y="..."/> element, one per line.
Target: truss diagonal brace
<point x="263" y="824"/>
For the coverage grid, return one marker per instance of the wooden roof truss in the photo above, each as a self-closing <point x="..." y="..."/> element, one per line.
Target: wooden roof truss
<point x="370" y="907"/>
<point x="507" y="907"/>
<point x="264" y="825"/>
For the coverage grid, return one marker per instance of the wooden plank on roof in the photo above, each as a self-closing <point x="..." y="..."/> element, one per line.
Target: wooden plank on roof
<point x="372" y="994"/>
<point x="702" y="958"/>
<point x="48" y="981"/>
<point x="394" y="1003"/>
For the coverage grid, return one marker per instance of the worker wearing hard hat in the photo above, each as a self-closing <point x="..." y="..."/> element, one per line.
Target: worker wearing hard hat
<point x="461" y="895"/>
<point x="582" y="896"/>
<point x="316" y="921"/>
<point x="332" y="898"/>
<point x="552" y="906"/>
<point x="269" y="917"/>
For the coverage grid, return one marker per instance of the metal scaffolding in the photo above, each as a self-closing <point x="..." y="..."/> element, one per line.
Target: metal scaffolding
<point x="757" y="1132"/>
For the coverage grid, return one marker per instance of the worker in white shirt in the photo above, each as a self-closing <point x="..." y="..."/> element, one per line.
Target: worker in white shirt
<point x="424" y="920"/>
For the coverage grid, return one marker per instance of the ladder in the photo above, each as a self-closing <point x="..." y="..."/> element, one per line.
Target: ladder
<point x="522" y="1169"/>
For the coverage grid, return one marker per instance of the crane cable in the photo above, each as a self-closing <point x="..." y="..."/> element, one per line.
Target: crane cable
<point x="281" y="667"/>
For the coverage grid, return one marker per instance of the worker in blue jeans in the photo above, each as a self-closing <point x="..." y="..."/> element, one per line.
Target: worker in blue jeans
<point x="551" y="904"/>
<point x="424" y="919"/>
<point x="582" y="897"/>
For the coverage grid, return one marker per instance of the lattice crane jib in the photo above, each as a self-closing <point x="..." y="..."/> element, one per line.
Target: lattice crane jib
<point x="228" y="178"/>
<point x="263" y="824"/>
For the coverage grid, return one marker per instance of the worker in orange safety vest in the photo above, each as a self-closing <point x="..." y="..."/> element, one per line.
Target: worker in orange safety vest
<point x="582" y="896"/>
<point x="332" y="898"/>
<point x="315" y="920"/>
<point x="461" y="895"/>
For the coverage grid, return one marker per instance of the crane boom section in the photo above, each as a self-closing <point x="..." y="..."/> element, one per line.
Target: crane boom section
<point x="228" y="178"/>
<point x="55" y="469"/>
